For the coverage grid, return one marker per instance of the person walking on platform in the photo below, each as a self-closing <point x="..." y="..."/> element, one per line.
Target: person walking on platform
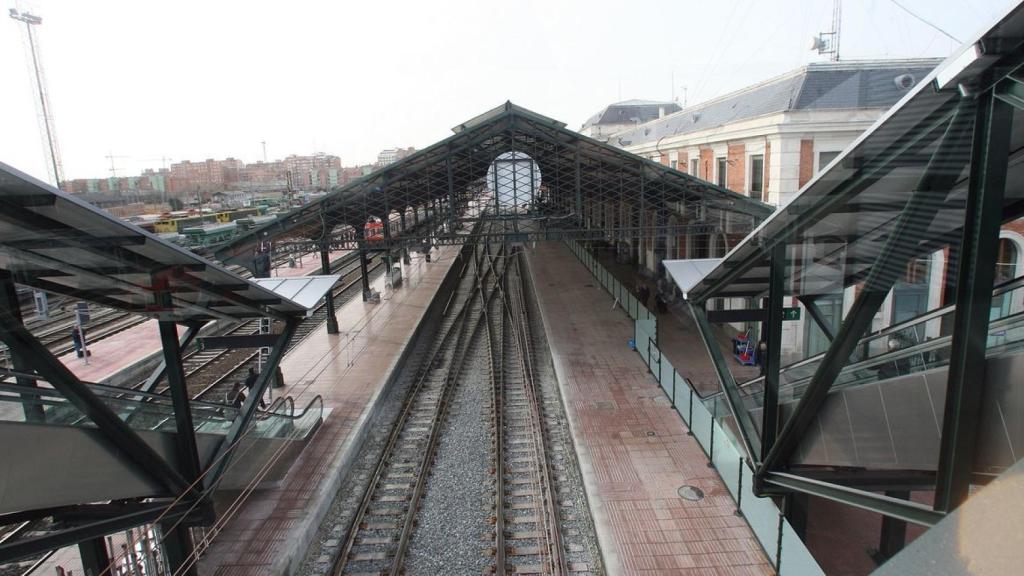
<point x="250" y="381"/>
<point x="643" y="294"/>
<point x="76" y="340"/>
<point x="235" y="397"/>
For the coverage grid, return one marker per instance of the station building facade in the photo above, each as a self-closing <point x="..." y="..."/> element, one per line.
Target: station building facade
<point x="767" y="141"/>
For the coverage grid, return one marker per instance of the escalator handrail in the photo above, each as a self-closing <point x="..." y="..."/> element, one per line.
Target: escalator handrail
<point x="889" y="356"/>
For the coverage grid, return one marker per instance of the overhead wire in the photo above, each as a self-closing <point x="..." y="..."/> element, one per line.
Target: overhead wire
<point x="926" y="22"/>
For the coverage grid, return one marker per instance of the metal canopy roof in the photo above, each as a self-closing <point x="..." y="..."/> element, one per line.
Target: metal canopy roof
<point x="53" y="241"/>
<point x="573" y="168"/>
<point x="837" y="225"/>
<point x="303" y="290"/>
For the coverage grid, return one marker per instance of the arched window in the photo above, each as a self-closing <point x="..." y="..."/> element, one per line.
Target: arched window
<point x="1006" y="260"/>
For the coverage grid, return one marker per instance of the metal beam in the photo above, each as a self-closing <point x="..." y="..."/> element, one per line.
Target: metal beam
<point x="975" y="280"/>
<point x="744" y="421"/>
<point x="922" y="206"/>
<point x="25" y="547"/>
<point x="772" y="336"/>
<point x="814" y="311"/>
<point x="885" y="505"/>
<point x="238" y="341"/>
<point x="185" y="439"/>
<point x="218" y="463"/>
<point x="161" y="369"/>
<point x="738" y="315"/>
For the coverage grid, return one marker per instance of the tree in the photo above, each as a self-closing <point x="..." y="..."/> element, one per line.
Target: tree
<point x="176" y="204"/>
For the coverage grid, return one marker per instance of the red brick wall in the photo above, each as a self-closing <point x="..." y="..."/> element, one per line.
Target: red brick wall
<point x="664" y="159"/>
<point x="683" y="164"/>
<point x="707" y="161"/>
<point x="806" y="161"/>
<point x="736" y="174"/>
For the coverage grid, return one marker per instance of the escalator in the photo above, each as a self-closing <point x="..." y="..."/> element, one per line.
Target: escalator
<point x="64" y="459"/>
<point x="885" y="409"/>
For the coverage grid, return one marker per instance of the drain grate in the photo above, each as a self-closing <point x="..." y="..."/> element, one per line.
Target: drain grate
<point x="691" y="493"/>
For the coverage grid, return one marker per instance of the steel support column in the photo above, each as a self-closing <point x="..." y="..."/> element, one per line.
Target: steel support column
<point x="929" y="196"/>
<point x="577" y="186"/>
<point x="179" y="550"/>
<point x="325" y="267"/>
<point x="363" y="266"/>
<point x="95" y="556"/>
<point x="188" y="454"/>
<point x="451" y="193"/>
<point x="161" y="369"/>
<point x="894" y="531"/>
<point x="744" y="422"/>
<point x="965" y="384"/>
<point x="772" y="335"/>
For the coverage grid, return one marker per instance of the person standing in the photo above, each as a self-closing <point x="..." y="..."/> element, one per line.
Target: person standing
<point x="250" y="382"/>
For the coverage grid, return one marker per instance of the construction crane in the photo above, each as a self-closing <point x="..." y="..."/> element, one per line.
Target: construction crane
<point x="55" y="167"/>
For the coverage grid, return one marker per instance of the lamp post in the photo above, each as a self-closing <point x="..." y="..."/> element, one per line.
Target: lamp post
<point x="31" y="20"/>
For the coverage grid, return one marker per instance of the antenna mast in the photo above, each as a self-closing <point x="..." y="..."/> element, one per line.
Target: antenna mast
<point x="828" y="42"/>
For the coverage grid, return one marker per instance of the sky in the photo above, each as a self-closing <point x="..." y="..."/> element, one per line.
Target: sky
<point x="152" y="83"/>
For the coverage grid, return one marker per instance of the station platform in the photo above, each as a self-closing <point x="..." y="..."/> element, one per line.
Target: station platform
<point x="677" y="332"/>
<point x="633" y="448"/>
<point x="115" y="353"/>
<point x="272" y="529"/>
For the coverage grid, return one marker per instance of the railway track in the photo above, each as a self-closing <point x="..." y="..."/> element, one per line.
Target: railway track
<point x="528" y="537"/>
<point x="384" y="522"/>
<point x="487" y="332"/>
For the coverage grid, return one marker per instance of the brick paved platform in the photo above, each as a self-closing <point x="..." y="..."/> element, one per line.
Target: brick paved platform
<point x="273" y="528"/>
<point x="633" y="448"/>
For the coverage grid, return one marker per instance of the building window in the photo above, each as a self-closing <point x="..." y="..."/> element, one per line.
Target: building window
<point x="694" y="166"/>
<point x="722" y="163"/>
<point x="824" y="158"/>
<point x="756" y="176"/>
<point x="1006" y="261"/>
<point x="672" y="163"/>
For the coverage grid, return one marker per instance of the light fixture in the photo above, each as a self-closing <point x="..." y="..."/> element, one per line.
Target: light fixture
<point x="953" y="72"/>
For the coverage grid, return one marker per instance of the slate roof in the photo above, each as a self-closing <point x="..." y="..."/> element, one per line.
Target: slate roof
<point x="624" y="112"/>
<point x="869" y="84"/>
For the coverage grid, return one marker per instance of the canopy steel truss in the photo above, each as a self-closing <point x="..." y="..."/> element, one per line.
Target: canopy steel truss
<point x="509" y="163"/>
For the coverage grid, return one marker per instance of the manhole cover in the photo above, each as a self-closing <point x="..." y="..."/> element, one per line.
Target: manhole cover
<point x="691" y="493"/>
